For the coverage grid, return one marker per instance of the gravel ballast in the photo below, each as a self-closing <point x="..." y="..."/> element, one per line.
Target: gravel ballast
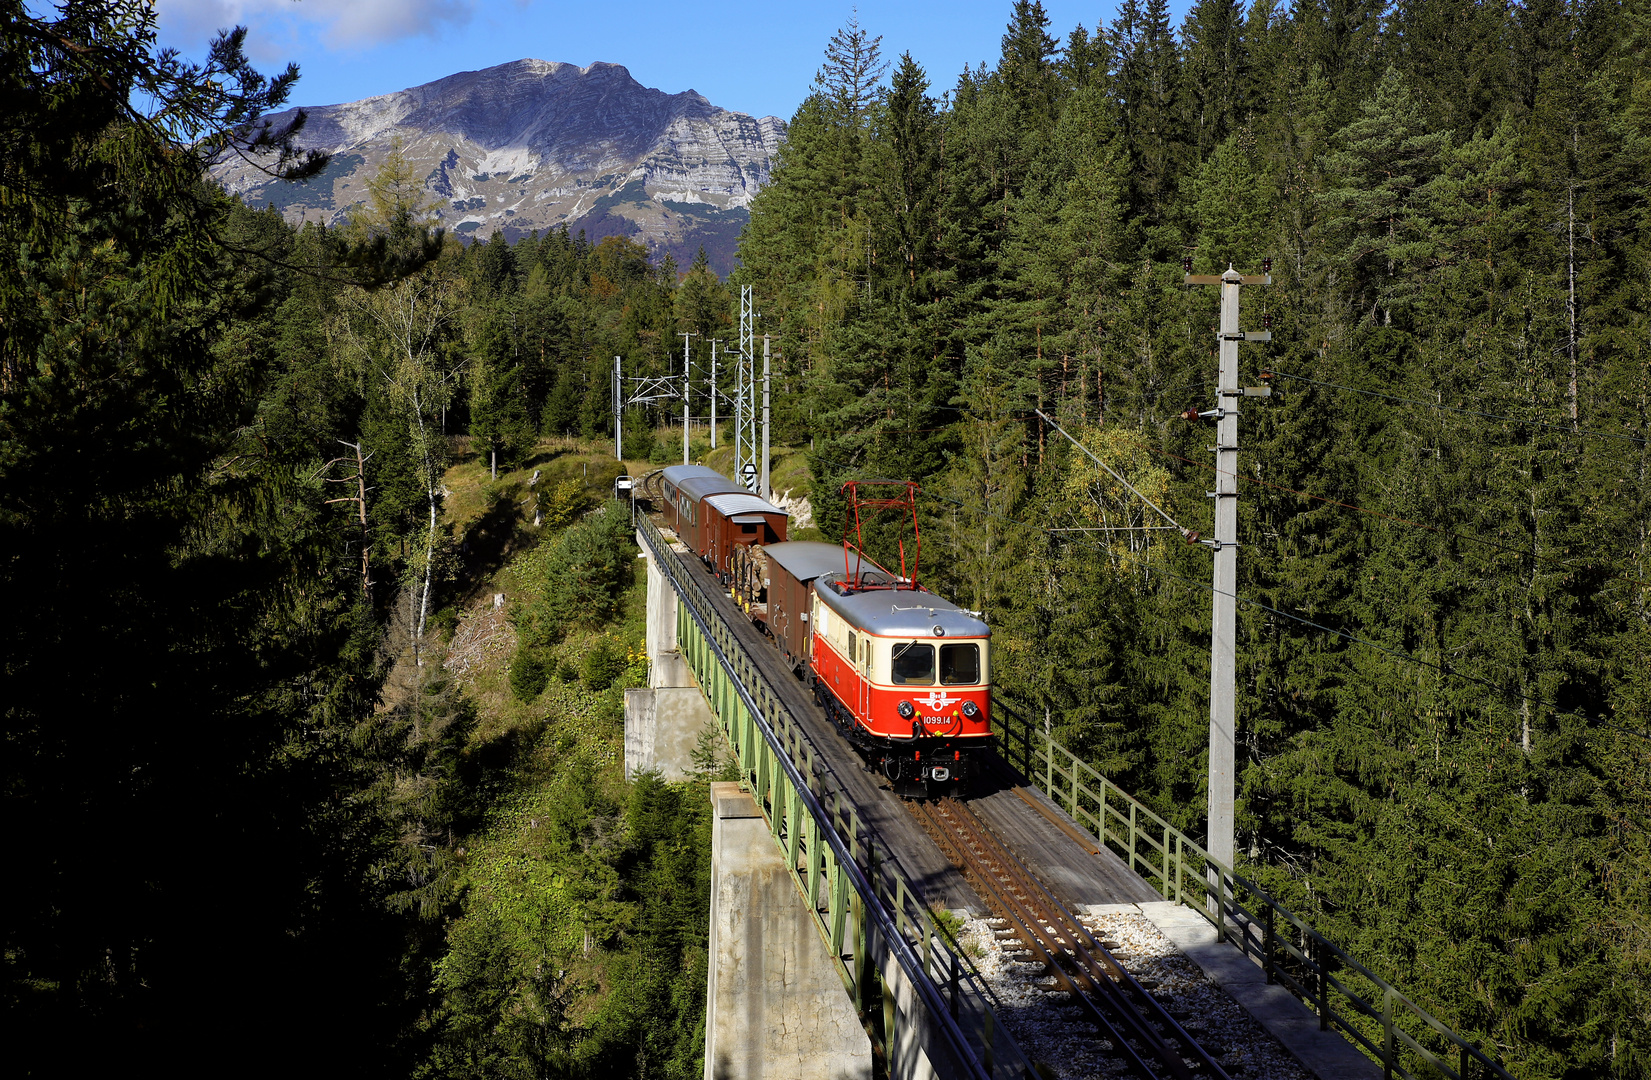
<point x="1053" y="1034"/>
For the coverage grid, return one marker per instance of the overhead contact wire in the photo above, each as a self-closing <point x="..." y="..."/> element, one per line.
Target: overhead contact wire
<point x="1471" y="538"/>
<point x="1354" y="638"/>
<point x="1186" y="533"/>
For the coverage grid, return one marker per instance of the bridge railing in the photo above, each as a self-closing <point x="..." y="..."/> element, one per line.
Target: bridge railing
<point x="861" y="903"/>
<point x="1343" y="992"/>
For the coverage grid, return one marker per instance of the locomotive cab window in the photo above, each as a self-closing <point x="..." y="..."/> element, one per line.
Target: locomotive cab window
<point x="913" y="664"/>
<point x="960" y="664"/>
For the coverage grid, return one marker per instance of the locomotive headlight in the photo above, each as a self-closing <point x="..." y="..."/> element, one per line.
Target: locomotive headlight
<point x="905" y="710"/>
<point x="971" y="710"/>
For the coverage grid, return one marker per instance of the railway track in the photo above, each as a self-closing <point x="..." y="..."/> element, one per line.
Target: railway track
<point x="1138" y="1026"/>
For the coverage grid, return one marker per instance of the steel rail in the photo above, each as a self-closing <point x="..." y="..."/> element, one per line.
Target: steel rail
<point x="1120" y="985"/>
<point x="1030" y="931"/>
<point x="901" y="949"/>
<point x="1042" y="932"/>
<point x="1112" y="986"/>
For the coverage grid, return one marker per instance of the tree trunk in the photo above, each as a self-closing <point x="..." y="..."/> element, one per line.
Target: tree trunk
<point x="430" y="536"/>
<point x="1570" y="301"/>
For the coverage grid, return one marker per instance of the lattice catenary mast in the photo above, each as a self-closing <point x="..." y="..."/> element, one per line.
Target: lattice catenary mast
<point x="746" y="450"/>
<point x="643" y="390"/>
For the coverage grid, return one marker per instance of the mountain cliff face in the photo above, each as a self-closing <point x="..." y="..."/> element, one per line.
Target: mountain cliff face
<point x="534" y="145"/>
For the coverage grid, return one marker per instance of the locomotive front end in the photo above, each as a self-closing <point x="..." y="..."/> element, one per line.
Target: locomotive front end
<point x="907" y="676"/>
<point x="937" y="704"/>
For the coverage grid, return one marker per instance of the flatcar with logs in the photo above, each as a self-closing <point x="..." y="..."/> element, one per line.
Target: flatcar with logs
<point x="903" y="673"/>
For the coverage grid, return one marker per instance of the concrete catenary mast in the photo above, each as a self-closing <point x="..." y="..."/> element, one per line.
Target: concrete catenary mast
<point x="1224" y="617"/>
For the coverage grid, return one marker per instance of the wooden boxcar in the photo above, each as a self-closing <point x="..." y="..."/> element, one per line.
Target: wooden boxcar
<point x="775" y="582"/>
<point x="733" y="520"/>
<point x="684" y="488"/>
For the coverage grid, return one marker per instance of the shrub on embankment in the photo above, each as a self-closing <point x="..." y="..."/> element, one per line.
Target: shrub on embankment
<point x="578" y="943"/>
<point x="576" y="581"/>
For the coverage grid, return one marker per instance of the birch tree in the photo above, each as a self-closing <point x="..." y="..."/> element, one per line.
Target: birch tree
<point x="395" y="338"/>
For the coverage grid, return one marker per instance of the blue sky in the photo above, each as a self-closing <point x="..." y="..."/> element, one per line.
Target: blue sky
<point x="753" y="58"/>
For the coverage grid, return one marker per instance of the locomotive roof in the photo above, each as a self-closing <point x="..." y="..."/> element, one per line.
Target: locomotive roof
<point x="899" y="612"/>
<point x="729" y="503"/>
<point x="697" y="481"/>
<point x="806" y="560"/>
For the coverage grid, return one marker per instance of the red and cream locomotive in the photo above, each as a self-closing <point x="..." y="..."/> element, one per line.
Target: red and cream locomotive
<point x="903" y="673"/>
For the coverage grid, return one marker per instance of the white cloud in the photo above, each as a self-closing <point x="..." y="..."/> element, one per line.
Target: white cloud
<point x="197" y="20"/>
<point x="343" y="24"/>
<point x="369" y="22"/>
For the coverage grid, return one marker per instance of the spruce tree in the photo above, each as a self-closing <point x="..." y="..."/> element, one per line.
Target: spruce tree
<point x="1086" y="62"/>
<point x="911" y="189"/>
<point x="854" y="64"/>
<point x="1149" y="91"/>
<point x="1457" y="50"/>
<point x="1376" y="220"/>
<point x="1027" y="65"/>
<point x="1217" y="74"/>
<point x="1231" y="211"/>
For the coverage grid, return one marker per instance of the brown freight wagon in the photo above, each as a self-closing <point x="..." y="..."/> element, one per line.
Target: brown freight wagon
<point x="685" y="488"/>
<point x="774" y="583"/>
<point x="733" y="520"/>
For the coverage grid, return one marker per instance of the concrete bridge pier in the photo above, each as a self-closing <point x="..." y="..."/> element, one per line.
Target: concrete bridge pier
<point x="775" y="1004"/>
<point x="663" y="723"/>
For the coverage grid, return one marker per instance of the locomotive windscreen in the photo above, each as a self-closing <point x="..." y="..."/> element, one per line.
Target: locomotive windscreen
<point x="914" y="664"/>
<point x="960" y="664"/>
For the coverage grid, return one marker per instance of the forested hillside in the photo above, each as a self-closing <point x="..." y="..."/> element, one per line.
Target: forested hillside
<point x="285" y="788"/>
<point x="1444" y="715"/>
<point x="258" y="823"/>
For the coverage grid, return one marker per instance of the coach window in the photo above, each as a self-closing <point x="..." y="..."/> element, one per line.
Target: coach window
<point x="913" y="664"/>
<point x="960" y="664"/>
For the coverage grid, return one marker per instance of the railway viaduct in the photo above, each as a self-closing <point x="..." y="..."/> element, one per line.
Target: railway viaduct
<point x="826" y="956"/>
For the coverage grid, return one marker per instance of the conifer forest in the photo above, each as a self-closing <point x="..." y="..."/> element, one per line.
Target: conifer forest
<point x="272" y="807"/>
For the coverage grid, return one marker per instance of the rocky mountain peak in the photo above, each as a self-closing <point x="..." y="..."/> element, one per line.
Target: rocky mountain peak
<point x="535" y="144"/>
